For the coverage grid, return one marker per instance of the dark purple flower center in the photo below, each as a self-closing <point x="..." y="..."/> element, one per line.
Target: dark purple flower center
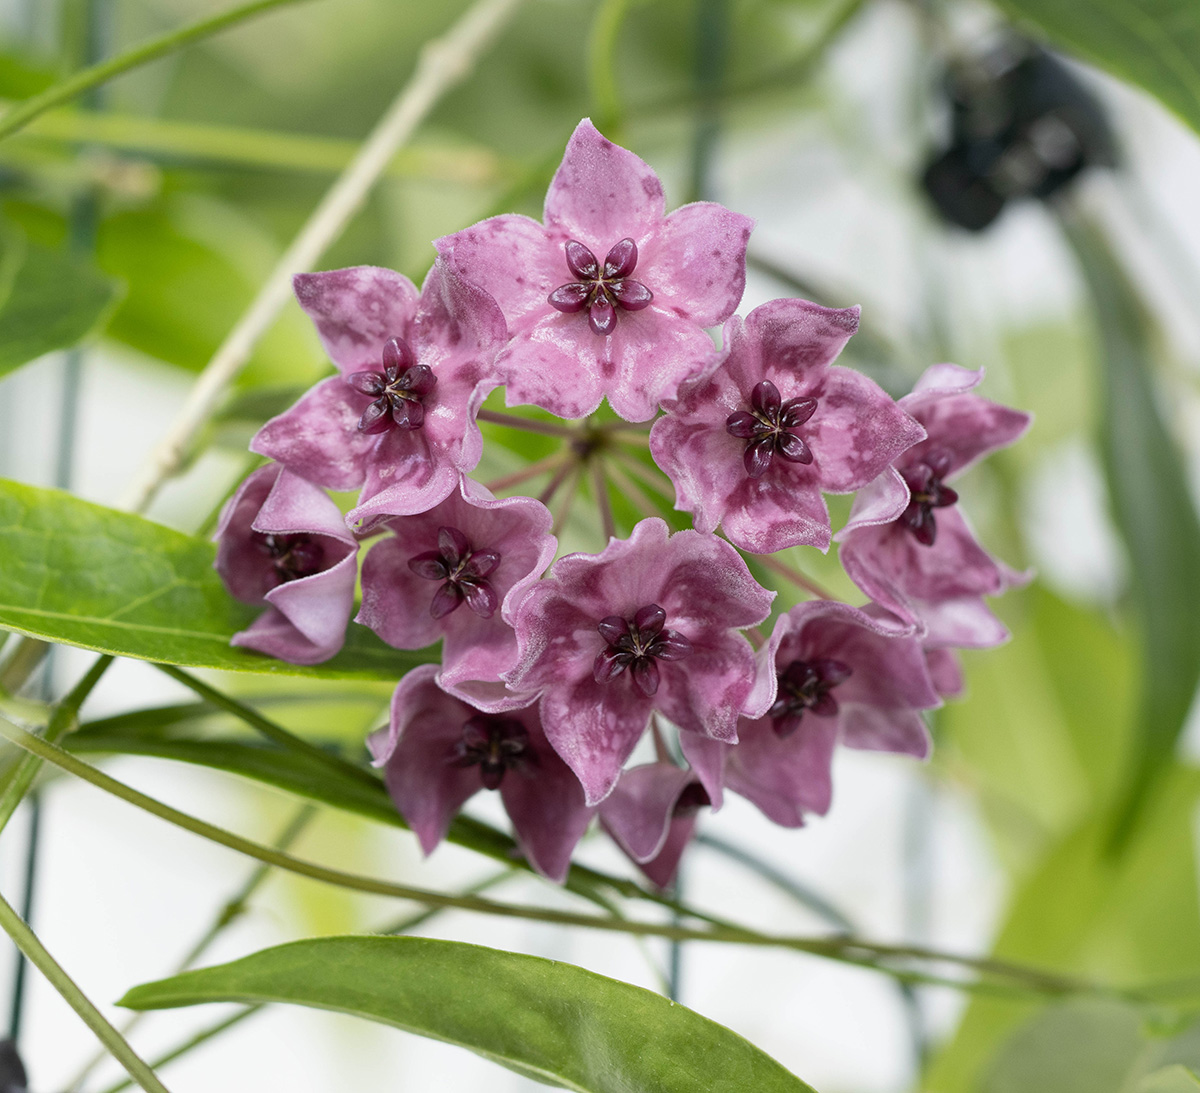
<point x="805" y="685"/>
<point x="926" y="494"/>
<point x="767" y="428"/>
<point x="637" y="644"/>
<point x="600" y="290"/>
<point x="292" y="556"/>
<point x="497" y="745"/>
<point x="398" y="392"/>
<point x="463" y="572"/>
<point x="693" y="798"/>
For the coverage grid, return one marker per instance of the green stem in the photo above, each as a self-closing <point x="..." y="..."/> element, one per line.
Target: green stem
<point x="27" y="941"/>
<point x="1021" y="980"/>
<point x="602" y="69"/>
<point x="264" y="725"/>
<point x="790" y="573"/>
<point x="534" y="470"/>
<point x="97" y="74"/>
<point x="603" y="502"/>
<point x="199" y="1038"/>
<point x="64" y="719"/>
<point x="526" y="424"/>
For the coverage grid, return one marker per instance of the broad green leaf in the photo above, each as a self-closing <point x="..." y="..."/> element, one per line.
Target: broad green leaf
<point x="1152" y="43"/>
<point x="1171" y="1079"/>
<point x="79" y="574"/>
<point x="549" y="1021"/>
<point x="53" y="300"/>
<point x="1151" y="502"/>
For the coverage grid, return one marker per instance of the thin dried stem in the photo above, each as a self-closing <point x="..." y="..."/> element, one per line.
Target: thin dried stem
<point x="560" y="476"/>
<point x="526" y="424"/>
<point x="542" y="466"/>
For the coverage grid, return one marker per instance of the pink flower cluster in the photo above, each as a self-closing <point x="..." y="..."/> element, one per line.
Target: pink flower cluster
<point x="548" y="681"/>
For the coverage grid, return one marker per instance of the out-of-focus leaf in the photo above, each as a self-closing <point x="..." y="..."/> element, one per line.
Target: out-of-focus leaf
<point x="1171" y="1079"/>
<point x="53" y="300"/>
<point x="1152" y="43"/>
<point x="80" y="574"/>
<point x="1152" y="504"/>
<point x="552" y="1022"/>
<point x="1081" y="1047"/>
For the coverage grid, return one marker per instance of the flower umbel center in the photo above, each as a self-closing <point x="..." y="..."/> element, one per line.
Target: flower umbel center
<point x="463" y="572"/>
<point x="767" y="428"/>
<point x="927" y="493"/>
<point x="497" y="745"/>
<point x="805" y="685"/>
<point x="398" y="391"/>
<point x="600" y="290"/>
<point x="637" y="644"/>
<point x="292" y="556"/>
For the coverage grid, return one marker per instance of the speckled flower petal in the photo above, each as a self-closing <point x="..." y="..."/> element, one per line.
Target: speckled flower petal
<point x="637" y="814"/>
<point x="356" y="310"/>
<point x="785" y="778"/>
<point x="602" y="192"/>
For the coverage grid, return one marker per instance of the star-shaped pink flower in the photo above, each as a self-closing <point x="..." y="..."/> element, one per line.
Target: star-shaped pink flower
<point x="842" y="676"/>
<point x="457" y="573"/>
<point x="438" y="752"/>
<point x="751" y="444"/>
<point x="906" y="545"/>
<point x="608" y="296"/>
<point x="281" y="541"/>
<point x="650" y="623"/>
<point x="400" y="419"/>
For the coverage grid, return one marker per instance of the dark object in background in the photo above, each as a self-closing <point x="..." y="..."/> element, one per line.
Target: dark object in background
<point x="1024" y="125"/>
<point x="12" y="1072"/>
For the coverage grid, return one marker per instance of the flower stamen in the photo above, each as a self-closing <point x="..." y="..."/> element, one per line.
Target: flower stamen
<point x="637" y="644"/>
<point x="767" y="428"/>
<point x="805" y="685"/>
<point x="398" y="391"/>
<point x="927" y="493"/>
<point x="601" y="290"/>
<point x="496" y="745"/>
<point x="463" y="572"/>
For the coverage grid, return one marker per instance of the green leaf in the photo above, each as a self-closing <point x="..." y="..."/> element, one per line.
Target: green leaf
<point x="552" y="1022"/>
<point x="54" y="299"/>
<point x="80" y="574"/>
<point x="1152" y="504"/>
<point x="1171" y="1079"/>
<point x="1152" y="43"/>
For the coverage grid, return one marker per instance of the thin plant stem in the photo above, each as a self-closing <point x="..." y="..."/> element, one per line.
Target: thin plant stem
<point x="1018" y="979"/>
<point x="27" y="941"/>
<point x="64" y="719"/>
<point x="263" y="148"/>
<point x="568" y="499"/>
<point x="602" y="68"/>
<point x="264" y="725"/>
<point x="654" y="479"/>
<point x="232" y="909"/>
<point x="632" y="490"/>
<point x="542" y="466"/>
<point x="560" y="476"/>
<point x="442" y="64"/>
<point x="790" y="573"/>
<point x="203" y="1036"/>
<point x="526" y="424"/>
<point x="17" y="1008"/>
<point x="603" y="501"/>
<point x="95" y="75"/>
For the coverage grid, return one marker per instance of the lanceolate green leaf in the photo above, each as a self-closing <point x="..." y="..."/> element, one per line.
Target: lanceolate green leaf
<point x="79" y="574"/>
<point x="1152" y="43"/>
<point x="51" y="301"/>
<point x="1151" y="501"/>
<point x="552" y="1022"/>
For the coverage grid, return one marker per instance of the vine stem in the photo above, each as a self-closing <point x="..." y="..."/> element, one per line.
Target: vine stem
<point x="526" y="424"/>
<point x="443" y="63"/>
<point x="27" y="941"/>
<point x="20" y="116"/>
<point x="542" y="466"/>
<point x="1018" y="979"/>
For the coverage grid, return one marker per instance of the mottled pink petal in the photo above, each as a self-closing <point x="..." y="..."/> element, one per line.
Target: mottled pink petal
<point x="966" y="622"/>
<point x="873" y="729"/>
<point x="699" y="262"/>
<point x="709" y="696"/>
<point x="513" y="258"/>
<point x="782" y="509"/>
<point x="546" y="366"/>
<point x="878" y="502"/>
<point x="706" y="757"/>
<point x="945" y="669"/>
<point x="356" y="310"/>
<point x="661" y="870"/>
<point x="786" y="778"/>
<point x="602" y="193"/>
<point x="637" y="814"/>
<point x="318" y="438"/>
